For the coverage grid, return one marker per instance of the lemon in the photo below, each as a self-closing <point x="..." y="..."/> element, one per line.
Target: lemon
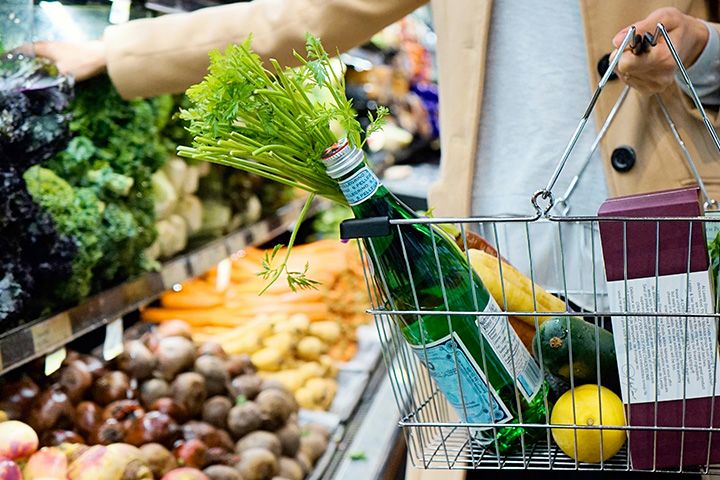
<point x="587" y="412"/>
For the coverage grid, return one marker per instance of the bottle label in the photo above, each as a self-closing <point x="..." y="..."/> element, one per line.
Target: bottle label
<point x="462" y="381"/>
<point x="360" y="186"/>
<point x="508" y="347"/>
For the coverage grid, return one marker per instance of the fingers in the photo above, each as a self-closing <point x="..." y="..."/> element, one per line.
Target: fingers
<point x="670" y="17"/>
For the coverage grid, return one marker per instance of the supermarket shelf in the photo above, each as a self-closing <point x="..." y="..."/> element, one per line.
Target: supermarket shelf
<point x="44" y="336"/>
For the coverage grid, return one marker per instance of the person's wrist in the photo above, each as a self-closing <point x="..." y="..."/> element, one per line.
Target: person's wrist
<point x="698" y="40"/>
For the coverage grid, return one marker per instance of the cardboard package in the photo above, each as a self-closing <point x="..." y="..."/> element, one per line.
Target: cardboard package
<point x="666" y="364"/>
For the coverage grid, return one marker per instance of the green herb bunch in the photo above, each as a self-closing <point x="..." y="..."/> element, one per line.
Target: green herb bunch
<point x="274" y="122"/>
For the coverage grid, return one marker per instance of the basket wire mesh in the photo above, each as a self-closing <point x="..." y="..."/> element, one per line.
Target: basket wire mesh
<point x="438" y="439"/>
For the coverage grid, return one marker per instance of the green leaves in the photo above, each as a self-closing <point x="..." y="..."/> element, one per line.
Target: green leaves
<point x="274" y="122"/>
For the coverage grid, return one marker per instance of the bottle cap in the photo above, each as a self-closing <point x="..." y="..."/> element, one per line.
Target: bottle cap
<point x="341" y="158"/>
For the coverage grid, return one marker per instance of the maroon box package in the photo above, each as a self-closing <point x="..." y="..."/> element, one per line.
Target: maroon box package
<point x="680" y="383"/>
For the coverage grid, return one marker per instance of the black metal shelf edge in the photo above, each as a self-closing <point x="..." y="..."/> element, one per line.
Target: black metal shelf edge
<point x="43" y="336"/>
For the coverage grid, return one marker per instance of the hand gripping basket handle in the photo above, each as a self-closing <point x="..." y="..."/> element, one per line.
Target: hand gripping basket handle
<point x="543" y="200"/>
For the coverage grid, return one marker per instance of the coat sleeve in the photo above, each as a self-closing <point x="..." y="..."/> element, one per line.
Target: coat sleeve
<point x="168" y="54"/>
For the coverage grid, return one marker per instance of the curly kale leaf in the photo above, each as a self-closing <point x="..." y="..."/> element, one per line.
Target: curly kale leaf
<point x="34" y="257"/>
<point x="76" y="213"/>
<point x="33" y="126"/>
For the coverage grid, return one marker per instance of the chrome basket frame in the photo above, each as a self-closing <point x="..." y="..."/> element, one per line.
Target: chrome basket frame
<point x="436" y="439"/>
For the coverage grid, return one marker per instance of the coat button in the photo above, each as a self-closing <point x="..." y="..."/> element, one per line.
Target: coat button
<point x="602" y="66"/>
<point x="623" y="158"/>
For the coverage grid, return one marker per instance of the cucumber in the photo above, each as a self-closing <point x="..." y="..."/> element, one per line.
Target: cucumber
<point x="554" y="338"/>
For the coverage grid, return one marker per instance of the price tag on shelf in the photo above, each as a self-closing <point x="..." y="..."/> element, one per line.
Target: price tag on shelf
<point x="224" y="271"/>
<point x="54" y="360"/>
<point x="51" y="333"/>
<point x="207" y="258"/>
<point x="173" y="273"/>
<point x="113" y="344"/>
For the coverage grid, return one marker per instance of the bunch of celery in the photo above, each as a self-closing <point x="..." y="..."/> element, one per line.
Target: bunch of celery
<point x="274" y="123"/>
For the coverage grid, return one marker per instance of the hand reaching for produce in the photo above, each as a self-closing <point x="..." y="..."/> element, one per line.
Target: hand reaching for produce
<point x="654" y="71"/>
<point x="82" y="60"/>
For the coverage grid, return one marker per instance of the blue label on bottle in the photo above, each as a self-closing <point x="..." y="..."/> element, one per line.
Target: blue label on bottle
<point x="462" y="381"/>
<point x="361" y="186"/>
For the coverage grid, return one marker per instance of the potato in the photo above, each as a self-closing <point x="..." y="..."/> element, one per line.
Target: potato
<point x="259" y="439"/>
<point x="289" y="437"/>
<point x="313" y="445"/>
<point x="276" y="406"/>
<point x="282" y="342"/>
<point x="214" y="372"/>
<point x="310" y="348"/>
<point x="327" y="331"/>
<point x="222" y="472"/>
<point x="290" y="379"/>
<point x="257" y="464"/>
<point x="309" y="370"/>
<point x="244" y="418"/>
<point x="296" y="325"/>
<point x="188" y="389"/>
<point x="290" y="469"/>
<point x="304" y="397"/>
<point x="268" y="359"/>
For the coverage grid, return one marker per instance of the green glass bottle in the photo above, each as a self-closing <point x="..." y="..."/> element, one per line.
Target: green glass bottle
<point x="471" y="358"/>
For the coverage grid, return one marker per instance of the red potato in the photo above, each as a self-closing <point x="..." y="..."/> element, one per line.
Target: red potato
<point x="51" y="409"/>
<point x="185" y="473"/>
<point x="46" y="463"/>
<point x="9" y="470"/>
<point x="153" y="389"/>
<point x="123" y="410"/>
<point x="153" y="427"/>
<point x="191" y="453"/>
<point x="109" y="431"/>
<point x="87" y="417"/>
<point x="214" y="349"/>
<point x="173" y="328"/>
<point x="111" y="387"/>
<point x="53" y="438"/>
<point x="75" y="380"/>
<point x="18" y="395"/>
<point x="17" y="440"/>
<point x="95" y="366"/>
<point x="137" y="360"/>
<point x="170" y="407"/>
<point x="188" y="389"/>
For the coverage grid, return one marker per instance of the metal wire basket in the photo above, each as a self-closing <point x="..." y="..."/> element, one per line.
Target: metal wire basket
<point x="570" y="249"/>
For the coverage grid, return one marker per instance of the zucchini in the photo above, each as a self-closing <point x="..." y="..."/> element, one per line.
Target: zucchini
<point x="554" y="338"/>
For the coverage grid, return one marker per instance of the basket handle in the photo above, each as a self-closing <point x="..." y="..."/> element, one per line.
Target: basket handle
<point x="543" y="200"/>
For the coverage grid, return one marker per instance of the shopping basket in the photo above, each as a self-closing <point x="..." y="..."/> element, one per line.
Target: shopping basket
<point x="437" y="439"/>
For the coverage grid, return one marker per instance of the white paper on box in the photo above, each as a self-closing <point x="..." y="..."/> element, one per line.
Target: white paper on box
<point x="679" y="359"/>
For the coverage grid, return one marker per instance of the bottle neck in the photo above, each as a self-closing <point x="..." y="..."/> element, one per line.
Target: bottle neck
<point x="346" y="164"/>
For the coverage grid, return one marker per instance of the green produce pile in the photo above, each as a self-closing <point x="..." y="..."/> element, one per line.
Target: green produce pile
<point x="115" y="149"/>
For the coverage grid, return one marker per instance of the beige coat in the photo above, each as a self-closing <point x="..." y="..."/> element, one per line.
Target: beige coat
<point x="170" y="53"/>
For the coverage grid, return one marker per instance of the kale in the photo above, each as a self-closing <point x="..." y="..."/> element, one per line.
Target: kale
<point x="34" y="256"/>
<point x="115" y="149"/>
<point x="76" y="213"/>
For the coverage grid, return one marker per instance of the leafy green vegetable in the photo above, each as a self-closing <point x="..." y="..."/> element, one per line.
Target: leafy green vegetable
<point x="115" y="149"/>
<point x="76" y="213"/>
<point x="273" y="122"/>
<point x="714" y="249"/>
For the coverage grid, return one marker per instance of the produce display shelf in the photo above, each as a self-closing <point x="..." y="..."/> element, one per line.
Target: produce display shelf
<point x="43" y="336"/>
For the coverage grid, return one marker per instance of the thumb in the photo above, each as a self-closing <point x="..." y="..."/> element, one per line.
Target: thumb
<point x="618" y="38"/>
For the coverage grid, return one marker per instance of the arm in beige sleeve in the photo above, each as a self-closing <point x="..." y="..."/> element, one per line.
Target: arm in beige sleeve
<point x="168" y="54"/>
